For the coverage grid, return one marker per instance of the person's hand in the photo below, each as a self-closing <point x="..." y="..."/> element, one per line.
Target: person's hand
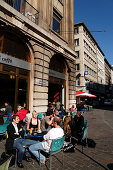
<point x="31" y="128"/>
<point x="16" y="133"/>
<point x="20" y="129"/>
<point x="52" y="118"/>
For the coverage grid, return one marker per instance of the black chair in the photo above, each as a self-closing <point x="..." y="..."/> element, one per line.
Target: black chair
<point x="4" y="164"/>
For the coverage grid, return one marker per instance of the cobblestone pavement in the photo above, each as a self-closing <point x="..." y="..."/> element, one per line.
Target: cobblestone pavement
<point x="100" y="129"/>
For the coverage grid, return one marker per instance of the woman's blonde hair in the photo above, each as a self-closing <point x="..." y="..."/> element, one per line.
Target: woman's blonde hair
<point x="67" y="129"/>
<point x="33" y="112"/>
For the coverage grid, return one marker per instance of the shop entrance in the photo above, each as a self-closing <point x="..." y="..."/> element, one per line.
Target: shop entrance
<point x="14" y="68"/>
<point x="7" y="90"/>
<point x="56" y="93"/>
<point x="14" y="86"/>
<point x="57" y="80"/>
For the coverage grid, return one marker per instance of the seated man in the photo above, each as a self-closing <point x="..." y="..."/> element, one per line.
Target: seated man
<point x="55" y="113"/>
<point x="21" y="113"/>
<point x="8" y="108"/>
<point x="47" y="121"/>
<point x="15" y="139"/>
<point x="77" y="126"/>
<point x="54" y="133"/>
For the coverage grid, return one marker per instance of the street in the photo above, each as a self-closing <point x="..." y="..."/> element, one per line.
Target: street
<point x="100" y="129"/>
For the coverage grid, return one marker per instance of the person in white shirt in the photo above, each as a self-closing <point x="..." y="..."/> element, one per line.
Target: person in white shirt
<point x="54" y="133"/>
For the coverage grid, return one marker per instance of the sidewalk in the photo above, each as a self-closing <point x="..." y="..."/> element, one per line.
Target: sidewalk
<point x="100" y="129"/>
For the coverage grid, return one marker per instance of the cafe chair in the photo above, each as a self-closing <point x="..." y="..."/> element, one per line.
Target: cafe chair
<point x="4" y="164"/>
<point x="74" y="113"/>
<point x="85" y="129"/>
<point x="56" y="146"/>
<point x="40" y="116"/>
<point x="74" y="140"/>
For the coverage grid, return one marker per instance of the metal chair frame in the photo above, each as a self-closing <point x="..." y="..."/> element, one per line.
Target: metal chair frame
<point x="53" y="150"/>
<point x="85" y="134"/>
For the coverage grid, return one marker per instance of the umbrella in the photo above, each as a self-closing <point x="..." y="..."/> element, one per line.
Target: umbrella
<point x="86" y="95"/>
<point x="79" y="92"/>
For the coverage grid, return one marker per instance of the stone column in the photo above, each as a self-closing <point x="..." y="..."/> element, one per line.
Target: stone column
<point x="41" y="76"/>
<point x="71" y="84"/>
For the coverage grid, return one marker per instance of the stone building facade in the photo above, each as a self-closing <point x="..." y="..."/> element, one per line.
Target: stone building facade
<point x="108" y="79"/>
<point x="86" y="64"/>
<point x="37" y="53"/>
<point x="90" y="72"/>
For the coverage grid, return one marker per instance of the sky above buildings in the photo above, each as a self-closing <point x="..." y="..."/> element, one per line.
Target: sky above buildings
<point x="98" y="16"/>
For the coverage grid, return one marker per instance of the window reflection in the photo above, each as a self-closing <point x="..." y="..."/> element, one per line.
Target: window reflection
<point x="56" y="21"/>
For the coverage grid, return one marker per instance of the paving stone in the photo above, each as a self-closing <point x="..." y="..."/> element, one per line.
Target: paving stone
<point x="100" y="129"/>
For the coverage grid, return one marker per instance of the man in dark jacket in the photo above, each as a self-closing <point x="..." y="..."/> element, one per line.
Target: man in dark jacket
<point x="8" y="108"/>
<point x="15" y="139"/>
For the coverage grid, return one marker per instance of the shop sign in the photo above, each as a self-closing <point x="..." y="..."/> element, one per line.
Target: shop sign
<point x="57" y="74"/>
<point x="79" y="87"/>
<point x="12" y="61"/>
<point x="85" y="72"/>
<point x="42" y="83"/>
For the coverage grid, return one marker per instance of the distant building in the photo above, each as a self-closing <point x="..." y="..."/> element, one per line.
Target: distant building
<point x="90" y="71"/>
<point x="108" y="79"/>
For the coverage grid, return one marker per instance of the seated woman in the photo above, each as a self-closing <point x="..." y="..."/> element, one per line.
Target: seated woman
<point x="77" y="125"/>
<point x="33" y="122"/>
<point x="67" y="129"/>
<point x="72" y="109"/>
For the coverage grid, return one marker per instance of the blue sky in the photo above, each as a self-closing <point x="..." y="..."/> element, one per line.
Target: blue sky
<point x="97" y="15"/>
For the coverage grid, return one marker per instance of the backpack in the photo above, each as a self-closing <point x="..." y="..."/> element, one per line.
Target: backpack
<point x="68" y="147"/>
<point x="90" y="142"/>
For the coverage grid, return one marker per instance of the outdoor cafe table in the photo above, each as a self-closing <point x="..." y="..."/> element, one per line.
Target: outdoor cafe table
<point x="36" y="136"/>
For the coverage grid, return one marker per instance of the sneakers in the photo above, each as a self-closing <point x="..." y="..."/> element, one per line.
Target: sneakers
<point x="43" y="162"/>
<point x="20" y="165"/>
<point x="28" y="159"/>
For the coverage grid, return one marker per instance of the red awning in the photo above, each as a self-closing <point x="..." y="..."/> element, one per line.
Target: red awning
<point x="79" y="92"/>
<point x="86" y="95"/>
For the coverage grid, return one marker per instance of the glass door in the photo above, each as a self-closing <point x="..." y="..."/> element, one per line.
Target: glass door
<point x="22" y="92"/>
<point x="7" y="90"/>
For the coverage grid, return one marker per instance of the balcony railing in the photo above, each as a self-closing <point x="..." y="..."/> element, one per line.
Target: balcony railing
<point x="24" y="8"/>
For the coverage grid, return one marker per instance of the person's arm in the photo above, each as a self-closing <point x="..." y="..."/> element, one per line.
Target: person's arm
<point x="11" y="133"/>
<point x="21" y="131"/>
<point x="50" y="122"/>
<point x="6" y="110"/>
<point x="47" y="136"/>
<point x="38" y="124"/>
<point x="28" y="124"/>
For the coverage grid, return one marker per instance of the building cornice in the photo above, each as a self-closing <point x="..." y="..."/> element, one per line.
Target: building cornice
<point x="83" y="24"/>
<point x="36" y="28"/>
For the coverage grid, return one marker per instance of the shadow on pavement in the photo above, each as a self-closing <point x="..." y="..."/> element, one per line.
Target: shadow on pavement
<point x="92" y="159"/>
<point x="110" y="166"/>
<point x="103" y="107"/>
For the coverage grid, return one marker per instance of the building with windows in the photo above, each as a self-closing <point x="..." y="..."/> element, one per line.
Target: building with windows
<point x="108" y="79"/>
<point x="100" y="73"/>
<point x="112" y="80"/>
<point x="90" y="72"/>
<point x="37" y="57"/>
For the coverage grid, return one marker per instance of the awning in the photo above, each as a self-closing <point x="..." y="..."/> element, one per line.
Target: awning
<point x="85" y="95"/>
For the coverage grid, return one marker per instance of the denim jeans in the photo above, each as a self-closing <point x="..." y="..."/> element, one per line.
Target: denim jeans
<point x="19" y="143"/>
<point x="34" y="150"/>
